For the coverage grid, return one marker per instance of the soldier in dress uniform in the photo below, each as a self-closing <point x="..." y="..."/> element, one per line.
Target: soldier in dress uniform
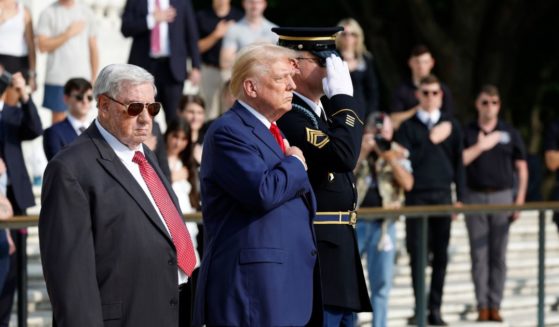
<point x="329" y="131"/>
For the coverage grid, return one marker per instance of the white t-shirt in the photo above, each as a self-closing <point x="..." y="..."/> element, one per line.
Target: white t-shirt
<point x="242" y="34"/>
<point x="71" y="59"/>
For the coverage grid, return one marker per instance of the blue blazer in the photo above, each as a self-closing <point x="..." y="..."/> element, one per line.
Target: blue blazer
<point x="58" y="136"/>
<point x="16" y="125"/>
<point x="183" y="36"/>
<point x="258" y="208"/>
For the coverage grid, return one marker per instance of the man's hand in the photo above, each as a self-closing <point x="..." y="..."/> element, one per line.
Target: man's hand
<point x="222" y="27"/>
<point x="440" y="132"/>
<point x="195" y="76"/>
<point x="294" y="151"/>
<point x="75" y="28"/>
<point x="166" y="15"/>
<point x="488" y="142"/>
<point x="337" y="80"/>
<point x="457" y="204"/>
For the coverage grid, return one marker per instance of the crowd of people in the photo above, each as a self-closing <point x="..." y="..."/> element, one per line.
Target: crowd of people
<point x="278" y="163"/>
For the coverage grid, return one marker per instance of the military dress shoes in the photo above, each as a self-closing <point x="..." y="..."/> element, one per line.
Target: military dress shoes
<point x="483" y="314"/>
<point x="494" y="315"/>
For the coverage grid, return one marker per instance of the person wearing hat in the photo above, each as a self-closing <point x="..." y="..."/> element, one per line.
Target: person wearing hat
<point x="329" y="132"/>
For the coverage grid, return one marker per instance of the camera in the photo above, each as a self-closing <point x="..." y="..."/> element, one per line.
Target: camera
<point x="382" y="143"/>
<point x="5" y="81"/>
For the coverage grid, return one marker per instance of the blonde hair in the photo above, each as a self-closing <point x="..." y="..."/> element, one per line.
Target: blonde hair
<point x="254" y="61"/>
<point x="360" y="48"/>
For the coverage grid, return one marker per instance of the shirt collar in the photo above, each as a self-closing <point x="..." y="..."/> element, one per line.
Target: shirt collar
<point x="122" y="151"/>
<point x="316" y="107"/>
<point x="425" y="116"/>
<point x="76" y="124"/>
<point x="1" y="105"/>
<point x="256" y="114"/>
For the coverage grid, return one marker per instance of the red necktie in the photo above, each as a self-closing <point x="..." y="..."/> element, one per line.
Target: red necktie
<point x="277" y="135"/>
<point x="186" y="258"/>
<point x="155" y="37"/>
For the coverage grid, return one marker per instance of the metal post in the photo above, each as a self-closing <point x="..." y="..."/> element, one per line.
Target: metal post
<point x="541" y="269"/>
<point x="420" y="305"/>
<point x="21" y="265"/>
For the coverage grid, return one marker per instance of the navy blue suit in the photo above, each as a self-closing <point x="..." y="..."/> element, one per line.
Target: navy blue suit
<point x="259" y="262"/>
<point x="170" y="73"/>
<point x="57" y="137"/>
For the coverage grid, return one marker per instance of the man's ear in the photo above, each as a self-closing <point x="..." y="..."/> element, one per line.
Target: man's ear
<point x="250" y="88"/>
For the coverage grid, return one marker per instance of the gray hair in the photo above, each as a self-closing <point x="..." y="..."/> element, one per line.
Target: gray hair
<point x="112" y="77"/>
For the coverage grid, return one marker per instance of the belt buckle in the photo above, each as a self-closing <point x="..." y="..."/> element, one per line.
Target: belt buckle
<point x="352" y="218"/>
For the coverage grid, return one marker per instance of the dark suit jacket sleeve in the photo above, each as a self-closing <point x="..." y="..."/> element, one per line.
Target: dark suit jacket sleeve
<point x="245" y="175"/>
<point x="191" y="34"/>
<point x="31" y="126"/>
<point x="51" y="143"/>
<point x="67" y="249"/>
<point x="134" y="18"/>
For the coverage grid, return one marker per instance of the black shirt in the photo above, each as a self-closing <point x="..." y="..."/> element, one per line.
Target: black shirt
<point x="494" y="168"/>
<point x="435" y="166"/>
<point x="207" y="21"/>
<point x="404" y="98"/>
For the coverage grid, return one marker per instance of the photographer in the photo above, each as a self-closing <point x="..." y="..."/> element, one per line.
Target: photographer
<point x="19" y="121"/>
<point x="383" y="174"/>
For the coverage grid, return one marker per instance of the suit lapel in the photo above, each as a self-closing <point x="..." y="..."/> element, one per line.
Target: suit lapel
<point x="68" y="131"/>
<point x="112" y="164"/>
<point x="258" y="129"/>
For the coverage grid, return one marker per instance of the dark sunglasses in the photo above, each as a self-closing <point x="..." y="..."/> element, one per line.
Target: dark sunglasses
<point x="427" y="92"/>
<point x="319" y="61"/>
<point x="486" y="102"/>
<point x="135" y="108"/>
<point x="81" y="97"/>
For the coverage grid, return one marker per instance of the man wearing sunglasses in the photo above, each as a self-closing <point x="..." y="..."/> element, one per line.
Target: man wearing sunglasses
<point x="434" y="140"/>
<point x="330" y="138"/>
<point x="494" y="154"/>
<point x="404" y="102"/>
<point x="78" y="96"/>
<point x="113" y="244"/>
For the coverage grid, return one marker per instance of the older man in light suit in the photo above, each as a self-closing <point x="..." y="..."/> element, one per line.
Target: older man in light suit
<point x="114" y="249"/>
<point x="258" y="206"/>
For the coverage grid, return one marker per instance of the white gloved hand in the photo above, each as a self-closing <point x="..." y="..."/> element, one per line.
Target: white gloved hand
<point x="337" y="80"/>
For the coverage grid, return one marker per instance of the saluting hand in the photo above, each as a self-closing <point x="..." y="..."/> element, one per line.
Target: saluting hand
<point x="337" y="80"/>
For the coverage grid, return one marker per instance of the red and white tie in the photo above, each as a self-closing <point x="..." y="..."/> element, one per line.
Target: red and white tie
<point x="186" y="257"/>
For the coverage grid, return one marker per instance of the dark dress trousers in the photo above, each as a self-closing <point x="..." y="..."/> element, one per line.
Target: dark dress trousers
<point x="107" y="257"/>
<point x="331" y="150"/>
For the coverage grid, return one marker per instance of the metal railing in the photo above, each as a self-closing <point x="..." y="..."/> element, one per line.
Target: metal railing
<point x="412" y="212"/>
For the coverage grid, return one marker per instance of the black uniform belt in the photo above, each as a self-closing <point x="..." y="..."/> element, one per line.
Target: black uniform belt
<point x="336" y="218"/>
